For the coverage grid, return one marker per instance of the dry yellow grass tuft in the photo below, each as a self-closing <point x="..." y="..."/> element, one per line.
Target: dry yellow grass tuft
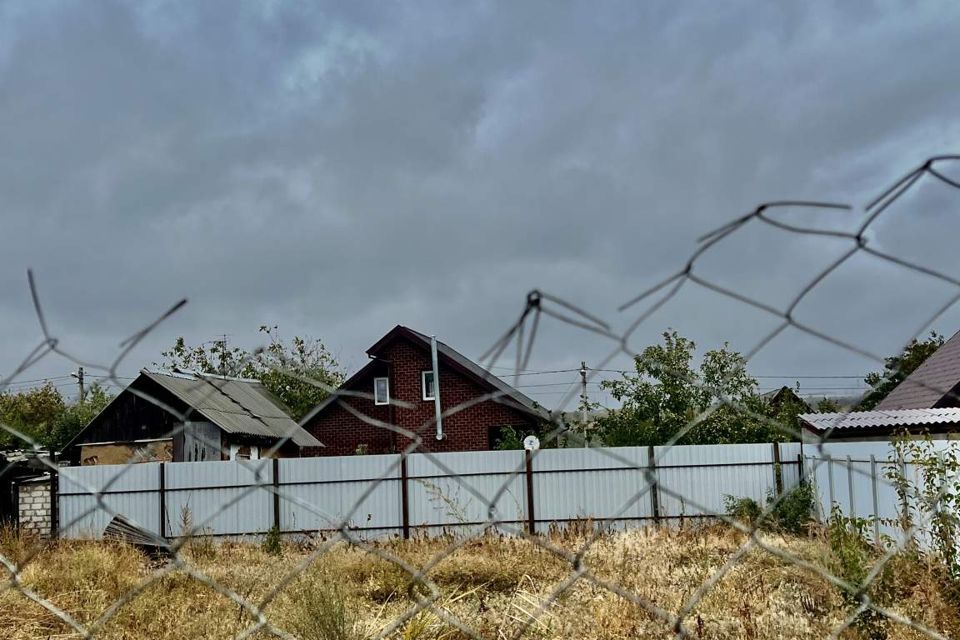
<point x="495" y="586"/>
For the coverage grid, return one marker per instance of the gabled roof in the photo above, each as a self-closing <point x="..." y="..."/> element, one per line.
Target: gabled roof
<point x="235" y="405"/>
<point x="879" y="421"/>
<point x="932" y="383"/>
<point x="784" y="394"/>
<point x="451" y="358"/>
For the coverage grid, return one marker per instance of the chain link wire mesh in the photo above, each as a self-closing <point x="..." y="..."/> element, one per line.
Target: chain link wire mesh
<point x="530" y="614"/>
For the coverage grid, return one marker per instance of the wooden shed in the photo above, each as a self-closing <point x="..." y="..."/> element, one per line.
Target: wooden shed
<point x="184" y="416"/>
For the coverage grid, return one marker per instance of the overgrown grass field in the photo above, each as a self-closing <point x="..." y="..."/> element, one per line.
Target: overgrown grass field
<point x="495" y="586"/>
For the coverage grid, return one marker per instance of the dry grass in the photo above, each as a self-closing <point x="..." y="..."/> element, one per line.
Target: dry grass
<point x="491" y="585"/>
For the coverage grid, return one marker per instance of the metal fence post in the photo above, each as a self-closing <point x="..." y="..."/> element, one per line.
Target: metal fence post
<point x="54" y="499"/>
<point x="276" y="494"/>
<point x="404" y="498"/>
<point x="830" y="479"/>
<point x="528" y="468"/>
<point x="162" y="499"/>
<point x="654" y="485"/>
<point x="876" y="499"/>
<point x="777" y="469"/>
<point x="853" y="504"/>
<point x="905" y="515"/>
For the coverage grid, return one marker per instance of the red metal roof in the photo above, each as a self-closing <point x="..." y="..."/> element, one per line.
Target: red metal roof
<point x="930" y="385"/>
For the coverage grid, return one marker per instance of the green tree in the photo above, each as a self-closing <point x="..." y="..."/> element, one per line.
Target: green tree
<point x="76" y="416"/>
<point x="45" y="417"/>
<point x="32" y="413"/>
<point x="828" y="405"/>
<point x="897" y="368"/>
<point x="299" y="372"/>
<point x="666" y="394"/>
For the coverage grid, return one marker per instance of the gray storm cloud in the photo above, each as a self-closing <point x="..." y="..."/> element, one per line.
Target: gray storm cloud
<point x="341" y="168"/>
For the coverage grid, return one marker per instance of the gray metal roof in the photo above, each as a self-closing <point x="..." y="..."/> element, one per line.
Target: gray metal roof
<point x="233" y="404"/>
<point x="930" y="382"/>
<point x="878" y="419"/>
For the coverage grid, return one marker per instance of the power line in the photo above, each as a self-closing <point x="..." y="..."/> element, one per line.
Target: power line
<point x="761" y="377"/>
<point x="539" y="372"/>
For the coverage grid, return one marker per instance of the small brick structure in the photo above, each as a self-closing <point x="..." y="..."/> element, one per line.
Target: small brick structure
<point x="402" y="356"/>
<point x="34" y="504"/>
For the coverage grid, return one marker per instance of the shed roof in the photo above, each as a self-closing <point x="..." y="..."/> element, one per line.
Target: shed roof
<point x="235" y="405"/>
<point x="879" y="421"/>
<point x="931" y="383"/>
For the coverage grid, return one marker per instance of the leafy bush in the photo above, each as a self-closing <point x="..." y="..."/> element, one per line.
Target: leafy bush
<point x="933" y="498"/>
<point x="791" y="513"/>
<point x="746" y="510"/>
<point x="322" y="613"/>
<point x="272" y="542"/>
<point x="851" y="560"/>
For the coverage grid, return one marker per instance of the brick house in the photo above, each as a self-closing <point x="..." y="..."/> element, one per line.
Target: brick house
<point x="396" y="388"/>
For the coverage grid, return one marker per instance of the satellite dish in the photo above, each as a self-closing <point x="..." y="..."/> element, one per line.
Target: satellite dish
<point x="531" y="443"/>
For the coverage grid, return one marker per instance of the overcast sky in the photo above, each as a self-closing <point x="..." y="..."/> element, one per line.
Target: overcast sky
<point x="339" y="168"/>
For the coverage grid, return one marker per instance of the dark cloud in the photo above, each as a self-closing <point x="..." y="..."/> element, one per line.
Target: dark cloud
<point x="340" y="168"/>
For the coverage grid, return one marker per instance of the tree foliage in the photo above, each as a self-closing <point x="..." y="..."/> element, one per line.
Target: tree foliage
<point x="897" y="368"/>
<point x="300" y="372"/>
<point x="666" y="393"/>
<point x="45" y="417"/>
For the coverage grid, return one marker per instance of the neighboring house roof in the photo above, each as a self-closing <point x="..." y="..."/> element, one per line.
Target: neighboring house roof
<point x="877" y="421"/>
<point x="932" y="384"/>
<point x="447" y="355"/>
<point x="784" y="393"/>
<point x="235" y="405"/>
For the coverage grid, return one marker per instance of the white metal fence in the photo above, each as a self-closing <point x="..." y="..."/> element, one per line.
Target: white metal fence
<point x="463" y="492"/>
<point x="854" y="478"/>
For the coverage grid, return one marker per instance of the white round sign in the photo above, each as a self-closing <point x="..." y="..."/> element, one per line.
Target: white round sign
<point x="531" y="443"/>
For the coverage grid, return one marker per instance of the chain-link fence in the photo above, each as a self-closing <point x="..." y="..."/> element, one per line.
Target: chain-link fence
<point x="642" y="551"/>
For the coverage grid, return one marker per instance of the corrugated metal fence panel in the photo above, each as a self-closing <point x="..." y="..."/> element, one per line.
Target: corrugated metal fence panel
<point x="790" y="464"/>
<point x="827" y="466"/>
<point x="688" y="488"/>
<point x="219" y="498"/>
<point x="80" y="514"/>
<point x="573" y="484"/>
<point x="453" y="490"/>
<point x="479" y="479"/>
<point x="319" y="493"/>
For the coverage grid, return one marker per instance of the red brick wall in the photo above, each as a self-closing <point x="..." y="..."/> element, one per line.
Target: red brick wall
<point x="465" y="430"/>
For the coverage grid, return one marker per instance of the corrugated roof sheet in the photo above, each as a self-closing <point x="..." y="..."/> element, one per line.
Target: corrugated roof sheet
<point x="881" y="419"/>
<point x="930" y="382"/>
<point x="234" y="405"/>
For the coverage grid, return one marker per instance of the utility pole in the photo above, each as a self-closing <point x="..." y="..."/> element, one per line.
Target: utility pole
<point x="79" y="376"/>
<point x="583" y="401"/>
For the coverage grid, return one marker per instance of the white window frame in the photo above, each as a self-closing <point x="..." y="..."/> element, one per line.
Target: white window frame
<point x="423" y="385"/>
<point x="376" y="400"/>
<point x="235" y="451"/>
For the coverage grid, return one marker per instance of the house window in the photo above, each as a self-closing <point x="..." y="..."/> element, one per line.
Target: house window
<point x="244" y="452"/>
<point x="426" y="377"/>
<point x="381" y="391"/>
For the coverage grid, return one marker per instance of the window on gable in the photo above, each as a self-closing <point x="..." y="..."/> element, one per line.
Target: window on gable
<point x="381" y="391"/>
<point x="426" y="378"/>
